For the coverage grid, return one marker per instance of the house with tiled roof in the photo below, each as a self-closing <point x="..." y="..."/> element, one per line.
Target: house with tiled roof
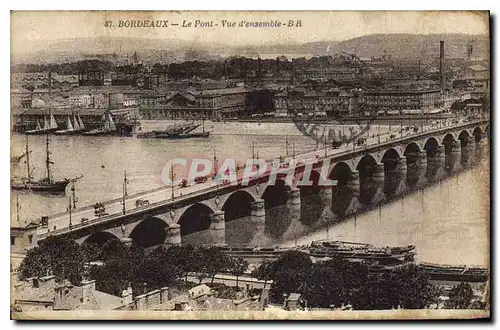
<point x="39" y="294"/>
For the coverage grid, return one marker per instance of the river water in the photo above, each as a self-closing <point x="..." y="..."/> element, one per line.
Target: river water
<point x="447" y="218"/>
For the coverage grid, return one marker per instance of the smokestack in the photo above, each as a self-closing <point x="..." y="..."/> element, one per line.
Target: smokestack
<point x="441" y="63"/>
<point x="226" y="70"/>
<point x="470" y="49"/>
<point x="258" y="68"/>
<point x="277" y="64"/>
<point x="50" y="83"/>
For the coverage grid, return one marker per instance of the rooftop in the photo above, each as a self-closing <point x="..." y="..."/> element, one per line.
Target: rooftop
<point x="294" y="296"/>
<point x="58" y="112"/>
<point x="72" y="296"/>
<point x="478" y="67"/>
<point x="221" y="91"/>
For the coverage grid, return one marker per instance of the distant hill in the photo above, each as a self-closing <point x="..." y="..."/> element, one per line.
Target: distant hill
<point x="397" y="46"/>
<point x="310" y="48"/>
<point x="414" y="46"/>
<point x="72" y="49"/>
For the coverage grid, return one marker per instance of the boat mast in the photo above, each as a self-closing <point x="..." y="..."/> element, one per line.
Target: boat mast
<point x="47" y="161"/>
<point x="17" y="209"/>
<point x="28" y="159"/>
<point x="125" y="182"/>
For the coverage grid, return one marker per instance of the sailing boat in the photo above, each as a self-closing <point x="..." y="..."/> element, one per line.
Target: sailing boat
<point x="76" y="125"/>
<point x="69" y="128"/>
<point x="108" y="129"/>
<point x="80" y="123"/>
<point x="48" y="127"/>
<point x="52" y="124"/>
<point x="185" y="132"/>
<point x="47" y="184"/>
<point x="37" y="130"/>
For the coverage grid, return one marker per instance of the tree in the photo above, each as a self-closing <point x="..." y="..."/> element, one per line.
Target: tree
<point x="91" y="252"/>
<point x="323" y="287"/>
<point x="114" y="249"/>
<point x="264" y="272"/>
<point x="404" y="287"/>
<point x="238" y="267"/>
<point x="35" y="263"/>
<point x="288" y="273"/>
<point x="157" y="270"/>
<point x="460" y="296"/>
<point x="59" y="255"/>
<point x="210" y="262"/>
<point x="182" y="256"/>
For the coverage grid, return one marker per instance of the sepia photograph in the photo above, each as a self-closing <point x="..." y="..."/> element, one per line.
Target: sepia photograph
<point x="250" y="165"/>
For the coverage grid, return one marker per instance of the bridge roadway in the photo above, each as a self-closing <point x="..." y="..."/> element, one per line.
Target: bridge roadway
<point x="60" y="223"/>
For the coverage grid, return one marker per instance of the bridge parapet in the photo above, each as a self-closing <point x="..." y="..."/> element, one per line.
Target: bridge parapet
<point x="207" y="195"/>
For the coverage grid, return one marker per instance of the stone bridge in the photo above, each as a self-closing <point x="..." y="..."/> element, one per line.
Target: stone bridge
<point x="211" y="208"/>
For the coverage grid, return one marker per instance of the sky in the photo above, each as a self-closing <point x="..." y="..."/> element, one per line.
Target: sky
<point x="29" y="27"/>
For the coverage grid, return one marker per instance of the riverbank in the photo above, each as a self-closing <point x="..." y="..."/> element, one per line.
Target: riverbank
<point x="387" y="118"/>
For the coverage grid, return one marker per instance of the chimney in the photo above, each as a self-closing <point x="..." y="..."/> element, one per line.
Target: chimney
<point x="277" y="64"/>
<point x="88" y="288"/>
<point x="441" y="64"/>
<point x="226" y="70"/>
<point x="258" y="68"/>
<point x="50" y="83"/>
<point x="127" y="296"/>
<point x="470" y="49"/>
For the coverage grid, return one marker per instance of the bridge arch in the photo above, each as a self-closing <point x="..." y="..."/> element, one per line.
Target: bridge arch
<point x="195" y="218"/>
<point x="341" y="172"/>
<point x="411" y="152"/>
<point x="149" y="232"/>
<point x="238" y="205"/>
<point x="99" y="238"/>
<point x="390" y="158"/>
<point x="366" y="166"/>
<point x="477" y="133"/>
<point x="431" y="145"/>
<point x="275" y="198"/>
<point x="463" y="137"/>
<point x="448" y="141"/>
<point x="277" y="194"/>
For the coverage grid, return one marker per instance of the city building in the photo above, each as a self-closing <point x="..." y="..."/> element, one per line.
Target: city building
<point x="199" y="291"/>
<point x="477" y="81"/>
<point x="333" y="102"/>
<point x="24" y="119"/>
<point x="20" y="97"/>
<point x="91" y="77"/>
<point x="130" y="102"/>
<point x="47" y="101"/>
<point x="41" y="80"/>
<point x="22" y="238"/>
<point x="97" y="97"/>
<point x="210" y="104"/>
<point x="42" y="294"/>
<point x="340" y="73"/>
<point x="395" y="101"/>
<point x="293" y="302"/>
<point x="82" y="100"/>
